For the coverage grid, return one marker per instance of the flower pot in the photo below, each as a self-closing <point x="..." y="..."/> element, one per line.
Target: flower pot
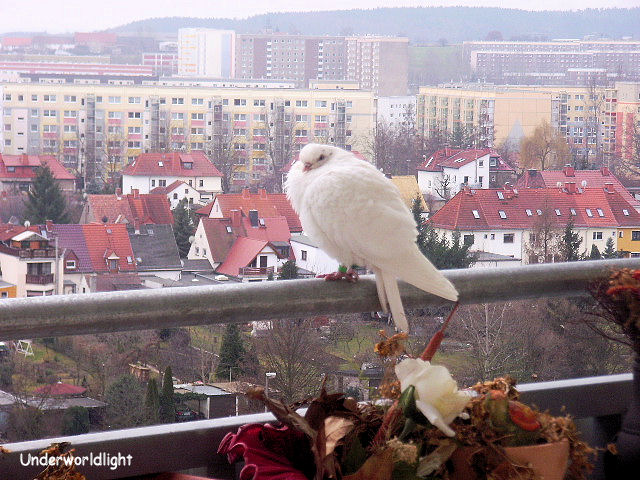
<point x="548" y="460"/>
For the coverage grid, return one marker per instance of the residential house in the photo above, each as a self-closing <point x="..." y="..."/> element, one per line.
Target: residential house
<point x="584" y="178"/>
<point x="409" y="190"/>
<point x="248" y="247"/>
<point x="310" y="258"/>
<point x="134" y="208"/>
<point x="17" y="172"/>
<point x="155" y="251"/>
<point x="212" y="402"/>
<point x="151" y="170"/>
<point x="178" y="191"/>
<point x="7" y="290"/>
<point x="266" y="204"/>
<point x="95" y="250"/>
<point x="28" y="262"/>
<point x="515" y="222"/>
<point x="445" y="172"/>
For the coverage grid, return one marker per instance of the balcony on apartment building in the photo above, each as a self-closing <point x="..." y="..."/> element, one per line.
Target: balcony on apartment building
<point x="597" y="403"/>
<point x="39" y="279"/>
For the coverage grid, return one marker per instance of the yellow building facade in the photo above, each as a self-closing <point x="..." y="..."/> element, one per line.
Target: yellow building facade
<point x="111" y="124"/>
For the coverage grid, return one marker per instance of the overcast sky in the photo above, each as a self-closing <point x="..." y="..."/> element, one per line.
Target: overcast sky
<point x="87" y="15"/>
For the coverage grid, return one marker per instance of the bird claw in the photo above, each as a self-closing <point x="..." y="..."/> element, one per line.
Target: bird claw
<point x="350" y="276"/>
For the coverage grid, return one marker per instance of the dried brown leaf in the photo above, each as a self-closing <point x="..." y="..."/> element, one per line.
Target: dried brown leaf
<point x="377" y="467"/>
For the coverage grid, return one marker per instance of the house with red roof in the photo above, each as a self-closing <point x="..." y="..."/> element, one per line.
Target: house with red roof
<point x="151" y="170"/>
<point x="28" y="261"/>
<point x="246" y="246"/>
<point x="18" y="171"/>
<point x="93" y="250"/>
<point x="445" y="172"/>
<point x="178" y="191"/>
<point x="512" y="221"/>
<point x="266" y="204"/>
<point x="135" y="208"/>
<point x="584" y="178"/>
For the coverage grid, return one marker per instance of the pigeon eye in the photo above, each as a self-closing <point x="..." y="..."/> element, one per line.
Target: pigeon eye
<point x="321" y="157"/>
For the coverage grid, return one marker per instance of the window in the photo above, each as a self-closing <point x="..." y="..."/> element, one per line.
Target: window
<point x="49" y="113"/>
<point x="573" y="212"/>
<point x="258" y="103"/>
<point x="162" y="183"/>
<point x="70" y="114"/>
<point x="625" y="211"/>
<point x="114" y="115"/>
<point x="635" y="235"/>
<point x="134" y="99"/>
<point x="197" y="131"/>
<point x="597" y="235"/>
<point x="600" y="212"/>
<point x="34" y="127"/>
<point x="177" y="101"/>
<point x="49" y="98"/>
<point x="259" y="117"/>
<point x="114" y="99"/>
<point x="70" y="264"/>
<point x="321" y="103"/>
<point x="135" y="115"/>
<point x="468" y="239"/>
<point x="240" y="116"/>
<point x="621" y="235"/>
<point x="589" y="213"/>
<point x="475" y="214"/>
<point x="70" y="98"/>
<point x="502" y="214"/>
<point x="34" y="98"/>
<point x="508" y="238"/>
<point x="197" y="116"/>
<point x="201" y="183"/>
<point x="197" y="101"/>
<point x="301" y="103"/>
<point x="133" y="144"/>
<point x="34" y="112"/>
<point x="558" y="212"/>
<point x="239" y="101"/>
<point x="131" y="130"/>
<point x="529" y="212"/>
<point x="321" y="118"/>
<point x="303" y="254"/>
<point x="301" y="133"/>
<point x="177" y="116"/>
<point x="70" y="128"/>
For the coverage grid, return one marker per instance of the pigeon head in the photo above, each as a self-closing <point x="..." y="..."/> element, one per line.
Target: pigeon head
<point x="315" y="155"/>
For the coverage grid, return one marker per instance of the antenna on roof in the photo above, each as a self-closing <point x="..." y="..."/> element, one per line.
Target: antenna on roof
<point x="27" y="223"/>
<point x="583" y="183"/>
<point x="559" y="184"/>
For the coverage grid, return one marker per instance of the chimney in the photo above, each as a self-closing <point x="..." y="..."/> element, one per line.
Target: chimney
<point x="235" y="218"/>
<point x="136" y="226"/>
<point x="263" y="193"/>
<point x="246" y="193"/>
<point x="49" y="225"/>
<point x="569" y="171"/>
<point x="608" y="187"/>
<point x="135" y="192"/>
<point x="466" y="189"/>
<point x="570" y="186"/>
<point x="605" y="171"/>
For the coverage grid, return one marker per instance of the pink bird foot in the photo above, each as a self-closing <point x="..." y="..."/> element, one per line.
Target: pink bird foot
<point x="350" y="275"/>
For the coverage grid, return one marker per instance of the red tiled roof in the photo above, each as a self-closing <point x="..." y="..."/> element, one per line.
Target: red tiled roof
<point x="267" y="205"/>
<point x="60" y="389"/>
<point x="25" y="166"/>
<point x="220" y="240"/>
<point x="275" y="229"/>
<point x="242" y="253"/>
<point x="458" y="213"/>
<point x="172" y="165"/>
<point x="593" y="179"/>
<point x="103" y="240"/>
<point x="110" y="282"/>
<point x="456" y="158"/>
<point x="168" y="188"/>
<point x="141" y="208"/>
<point x="8" y="231"/>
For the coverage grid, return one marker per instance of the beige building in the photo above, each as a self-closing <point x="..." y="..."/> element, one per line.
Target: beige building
<point x="97" y="129"/>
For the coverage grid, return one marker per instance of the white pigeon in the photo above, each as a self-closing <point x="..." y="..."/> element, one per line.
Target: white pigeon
<point x="357" y="216"/>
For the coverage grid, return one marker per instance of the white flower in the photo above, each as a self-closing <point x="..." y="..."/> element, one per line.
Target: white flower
<point x="437" y="395"/>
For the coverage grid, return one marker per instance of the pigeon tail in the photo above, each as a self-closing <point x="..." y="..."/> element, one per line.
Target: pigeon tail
<point x="421" y="273"/>
<point x="390" y="285"/>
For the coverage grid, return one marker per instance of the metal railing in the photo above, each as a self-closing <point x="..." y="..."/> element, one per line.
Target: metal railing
<point x="597" y="401"/>
<point x="39" y="279"/>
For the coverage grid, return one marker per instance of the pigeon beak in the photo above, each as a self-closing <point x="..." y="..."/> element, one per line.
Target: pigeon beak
<point x="307" y="167"/>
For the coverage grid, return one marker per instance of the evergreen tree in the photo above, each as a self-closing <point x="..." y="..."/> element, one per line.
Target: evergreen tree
<point x="443" y="254"/>
<point x="167" y="411"/>
<point x="416" y="210"/>
<point x="75" y="421"/>
<point x="610" y="250"/>
<point x="152" y="402"/>
<point x="45" y="200"/>
<point x="570" y="243"/>
<point x="231" y="352"/>
<point x="289" y="270"/>
<point x="124" y="399"/>
<point x="595" y="253"/>
<point x="182" y="227"/>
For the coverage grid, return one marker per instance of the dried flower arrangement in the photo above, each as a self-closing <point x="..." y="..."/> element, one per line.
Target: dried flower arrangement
<point x="423" y="428"/>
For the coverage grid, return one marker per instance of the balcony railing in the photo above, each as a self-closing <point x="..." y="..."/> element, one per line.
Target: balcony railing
<point x="38" y="253"/>
<point x="596" y="402"/>
<point x="255" y="271"/>
<point x="43" y="279"/>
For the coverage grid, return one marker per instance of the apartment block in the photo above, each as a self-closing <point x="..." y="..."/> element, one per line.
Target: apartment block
<point x="570" y="62"/>
<point x="376" y="63"/>
<point x="206" y="52"/>
<point x="162" y="63"/>
<point x="98" y="129"/>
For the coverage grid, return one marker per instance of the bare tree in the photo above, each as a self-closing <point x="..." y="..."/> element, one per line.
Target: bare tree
<point x="542" y="245"/>
<point x="280" y="143"/>
<point x="444" y="187"/>
<point x="544" y="148"/>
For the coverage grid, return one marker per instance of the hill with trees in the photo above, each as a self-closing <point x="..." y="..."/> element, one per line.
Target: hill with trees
<point x="422" y="25"/>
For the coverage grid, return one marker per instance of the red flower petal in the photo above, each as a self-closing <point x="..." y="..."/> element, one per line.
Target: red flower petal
<point x="262" y="463"/>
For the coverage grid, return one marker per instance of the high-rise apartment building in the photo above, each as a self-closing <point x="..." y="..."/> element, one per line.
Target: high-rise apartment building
<point x="205" y="52"/>
<point x="566" y="62"/>
<point x="379" y="64"/>
<point x="96" y="129"/>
